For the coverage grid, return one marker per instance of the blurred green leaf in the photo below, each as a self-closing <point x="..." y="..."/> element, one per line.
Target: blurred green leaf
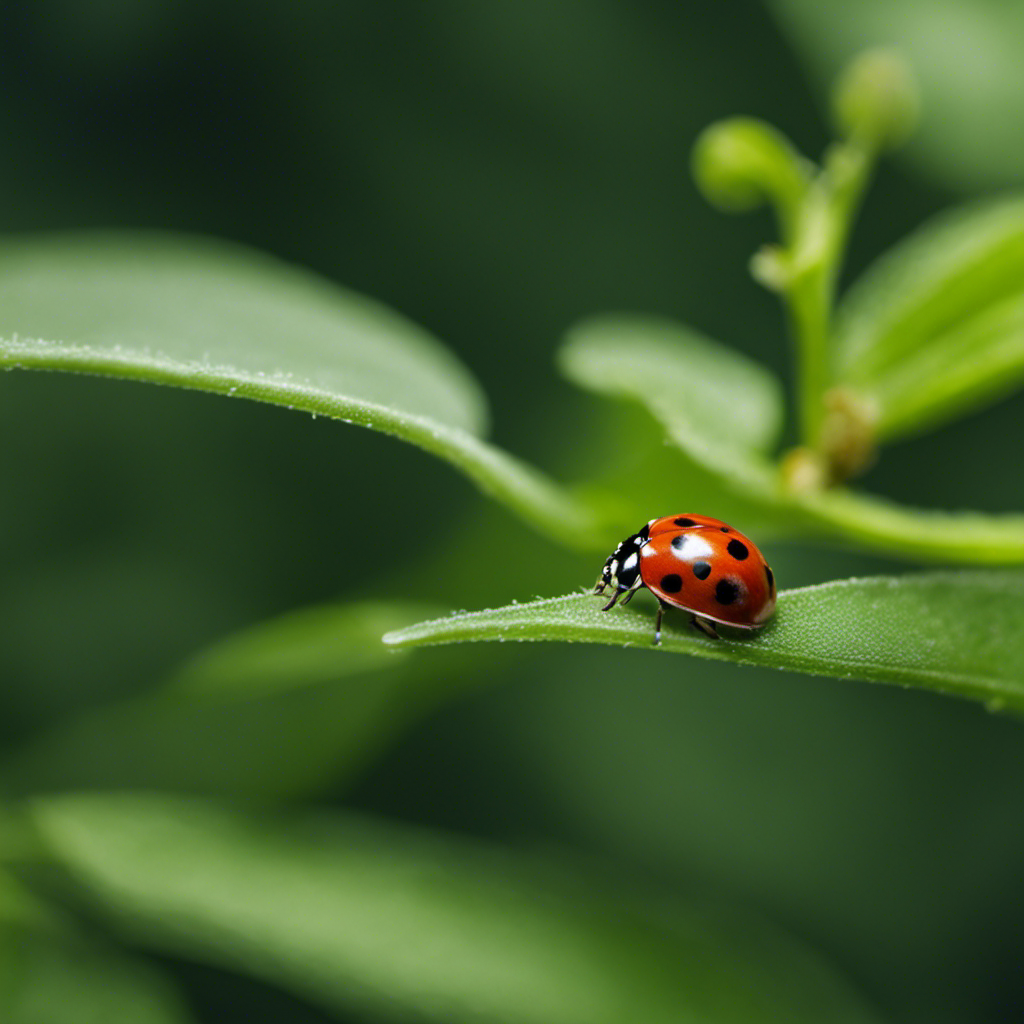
<point x="966" y="57"/>
<point x="954" y="632"/>
<point x="72" y="981"/>
<point x="389" y="920"/>
<point x="203" y="314"/>
<point x="626" y="455"/>
<point x="719" y="407"/>
<point x="19" y="907"/>
<point x="52" y="974"/>
<point x="724" y="412"/>
<point x="937" y="324"/>
<point x="282" y="708"/>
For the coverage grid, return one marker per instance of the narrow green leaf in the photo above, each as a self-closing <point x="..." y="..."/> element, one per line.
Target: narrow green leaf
<point x="19" y="908"/>
<point x="977" y="362"/>
<point x="280" y="709"/>
<point x="954" y="632"/>
<point x="201" y="314"/>
<point x="72" y="982"/>
<point x="937" y="324"/>
<point x="52" y="974"/>
<point x="719" y="407"/>
<point x="726" y="427"/>
<point x="388" y="920"/>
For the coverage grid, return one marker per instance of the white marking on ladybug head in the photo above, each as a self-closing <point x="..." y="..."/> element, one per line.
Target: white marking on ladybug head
<point x="630" y="563"/>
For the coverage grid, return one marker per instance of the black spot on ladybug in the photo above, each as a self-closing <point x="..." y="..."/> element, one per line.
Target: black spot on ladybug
<point x="702" y="570"/>
<point x="683" y="521"/>
<point x="770" y="576"/>
<point x="672" y="583"/>
<point x="680" y="542"/>
<point x="724" y="529"/>
<point x="726" y="592"/>
<point x="738" y="550"/>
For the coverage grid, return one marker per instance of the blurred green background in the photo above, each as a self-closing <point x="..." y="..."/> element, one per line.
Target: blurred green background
<point x="496" y="171"/>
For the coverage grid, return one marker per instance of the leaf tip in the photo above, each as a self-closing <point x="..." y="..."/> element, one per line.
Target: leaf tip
<point x="394" y="638"/>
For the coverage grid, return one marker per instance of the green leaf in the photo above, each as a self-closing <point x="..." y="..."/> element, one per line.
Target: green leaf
<point x="52" y="974"/>
<point x="390" y="921"/>
<point x="216" y="317"/>
<point x="208" y="314"/>
<point x="279" y="709"/>
<point x="966" y="57"/>
<point x="719" y="407"/>
<point x="724" y="413"/>
<point x="937" y="324"/>
<point x="73" y="982"/>
<point x="954" y="632"/>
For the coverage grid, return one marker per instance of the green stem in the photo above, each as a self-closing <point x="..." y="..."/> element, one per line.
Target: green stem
<point x="809" y="298"/>
<point x="816" y="246"/>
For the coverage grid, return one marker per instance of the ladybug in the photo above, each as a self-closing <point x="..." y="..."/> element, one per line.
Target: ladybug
<point x="696" y="563"/>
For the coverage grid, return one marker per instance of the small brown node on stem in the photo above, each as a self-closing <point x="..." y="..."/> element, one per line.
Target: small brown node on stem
<point x="847" y="433"/>
<point x="803" y="471"/>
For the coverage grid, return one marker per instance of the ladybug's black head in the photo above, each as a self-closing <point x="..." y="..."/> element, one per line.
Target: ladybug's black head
<point x="622" y="570"/>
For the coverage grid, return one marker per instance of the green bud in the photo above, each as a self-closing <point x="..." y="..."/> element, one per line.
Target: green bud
<point x="876" y="97"/>
<point x="742" y="163"/>
<point x="771" y="268"/>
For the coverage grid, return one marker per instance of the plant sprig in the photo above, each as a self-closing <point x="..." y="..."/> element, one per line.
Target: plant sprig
<point x="935" y="328"/>
<point x="874" y="106"/>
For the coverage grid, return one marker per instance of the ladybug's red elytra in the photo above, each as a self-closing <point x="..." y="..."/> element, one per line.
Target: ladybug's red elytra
<point x="696" y="563"/>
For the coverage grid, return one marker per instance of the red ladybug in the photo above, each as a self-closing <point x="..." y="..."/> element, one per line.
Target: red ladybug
<point x="696" y="563"/>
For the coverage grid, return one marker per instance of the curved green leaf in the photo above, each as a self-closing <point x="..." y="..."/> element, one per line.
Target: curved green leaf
<point x="208" y="314"/>
<point x="389" y="920"/>
<point x="977" y="362"/>
<point x="725" y="427"/>
<point x="955" y="632"/>
<point x="719" y="407"/>
<point x="280" y="709"/>
<point x="52" y="974"/>
<point x="216" y="317"/>
<point x="937" y="324"/>
<point x="71" y="981"/>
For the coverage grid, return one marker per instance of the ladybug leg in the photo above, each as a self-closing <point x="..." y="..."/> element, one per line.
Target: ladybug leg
<point x="599" y="587"/>
<point x="628" y="597"/>
<point x="657" y="624"/>
<point x="706" y="626"/>
<point x="611" y="603"/>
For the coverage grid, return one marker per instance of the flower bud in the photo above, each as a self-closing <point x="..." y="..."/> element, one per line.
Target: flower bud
<point x="741" y="163"/>
<point x="876" y="97"/>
